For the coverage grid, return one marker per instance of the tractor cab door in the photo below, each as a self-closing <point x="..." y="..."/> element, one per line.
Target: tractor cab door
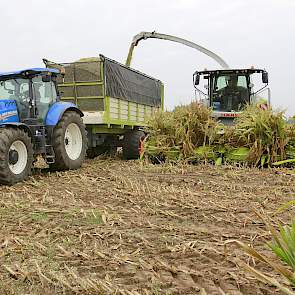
<point x="17" y="89"/>
<point x="44" y="95"/>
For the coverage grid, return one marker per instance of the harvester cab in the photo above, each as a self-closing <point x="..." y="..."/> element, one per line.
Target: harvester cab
<point x="34" y="122"/>
<point x="228" y="91"/>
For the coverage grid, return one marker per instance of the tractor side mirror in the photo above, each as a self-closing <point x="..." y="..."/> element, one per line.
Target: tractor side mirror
<point x="265" y="77"/>
<point x="196" y="79"/>
<point x="46" y="78"/>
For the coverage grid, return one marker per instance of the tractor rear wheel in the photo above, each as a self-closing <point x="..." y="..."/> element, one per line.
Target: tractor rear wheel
<point x="16" y="155"/>
<point x="69" y="142"/>
<point x="133" y="144"/>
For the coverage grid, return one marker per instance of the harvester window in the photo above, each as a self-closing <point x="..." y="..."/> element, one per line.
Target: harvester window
<point x="230" y="93"/>
<point x="242" y="81"/>
<point x="221" y="83"/>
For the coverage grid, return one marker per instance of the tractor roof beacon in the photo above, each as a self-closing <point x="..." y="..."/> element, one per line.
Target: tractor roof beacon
<point x="228" y="91"/>
<point x="33" y="121"/>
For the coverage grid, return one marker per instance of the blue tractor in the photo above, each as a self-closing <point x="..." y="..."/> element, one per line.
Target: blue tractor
<point x="33" y="122"/>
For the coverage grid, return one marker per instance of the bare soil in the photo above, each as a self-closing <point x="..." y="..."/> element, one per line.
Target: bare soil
<point x="116" y="227"/>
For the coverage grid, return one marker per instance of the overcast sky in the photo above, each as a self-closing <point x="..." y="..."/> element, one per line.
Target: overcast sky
<point x="243" y="32"/>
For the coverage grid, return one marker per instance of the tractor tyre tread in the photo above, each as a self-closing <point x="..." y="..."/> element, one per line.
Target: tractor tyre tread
<point x="8" y="135"/>
<point x="62" y="160"/>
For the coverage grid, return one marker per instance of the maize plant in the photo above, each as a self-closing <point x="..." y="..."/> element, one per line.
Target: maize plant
<point x="258" y="137"/>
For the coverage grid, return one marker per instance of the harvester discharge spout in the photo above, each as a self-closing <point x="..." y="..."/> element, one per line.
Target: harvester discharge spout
<point x="154" y="35"/>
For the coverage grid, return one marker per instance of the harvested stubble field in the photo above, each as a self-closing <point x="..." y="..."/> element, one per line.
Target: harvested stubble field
<point x="116" y="227"/>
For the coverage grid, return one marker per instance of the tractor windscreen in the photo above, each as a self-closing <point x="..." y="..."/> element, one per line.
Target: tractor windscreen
<point x="230" y="92"/>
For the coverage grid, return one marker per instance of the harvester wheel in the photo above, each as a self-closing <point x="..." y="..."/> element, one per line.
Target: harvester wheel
<point x="133" y="144"/>
<point x="16" y="155"/>
<point x="69" y="142"/>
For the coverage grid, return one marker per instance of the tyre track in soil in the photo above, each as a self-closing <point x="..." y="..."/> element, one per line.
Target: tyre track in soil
<point x="119" y="227"/>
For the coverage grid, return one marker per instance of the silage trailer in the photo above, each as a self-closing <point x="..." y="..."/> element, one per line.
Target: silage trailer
<point x="116" y="101"/>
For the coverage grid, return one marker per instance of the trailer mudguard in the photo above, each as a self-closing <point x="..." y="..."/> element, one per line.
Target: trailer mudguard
<point x="57" y="110"/>
<point x="8" y="111"/>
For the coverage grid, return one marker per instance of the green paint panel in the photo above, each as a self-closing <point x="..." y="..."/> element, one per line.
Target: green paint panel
<point x="90" y="104"/>
<point x="89" y="90"/>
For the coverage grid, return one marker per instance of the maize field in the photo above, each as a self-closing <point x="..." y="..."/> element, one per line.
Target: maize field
<point x="260" y="138"/>
<point x="118" y="227"/>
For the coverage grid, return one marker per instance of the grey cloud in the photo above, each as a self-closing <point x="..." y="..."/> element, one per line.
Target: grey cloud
<point x="243" y="32"/>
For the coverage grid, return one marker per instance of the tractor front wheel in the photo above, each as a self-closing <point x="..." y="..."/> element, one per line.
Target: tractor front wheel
<point x="133" y="144"/>
<point x="16" y="155"/>
<point x="69" y="142"/>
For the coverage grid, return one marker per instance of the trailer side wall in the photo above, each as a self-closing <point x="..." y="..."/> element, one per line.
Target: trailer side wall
<point x="111" y="96"/>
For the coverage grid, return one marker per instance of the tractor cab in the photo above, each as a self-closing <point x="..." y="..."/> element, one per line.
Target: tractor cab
<point x="227" y="92"/>
<point x="34" y="122"/>
<point x="28" y="94"/>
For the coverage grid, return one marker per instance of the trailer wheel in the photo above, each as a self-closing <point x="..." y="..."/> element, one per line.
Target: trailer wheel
<point x="69" y="142"/>
<point x="16" y="155"/>
<point x="133" y="144"/>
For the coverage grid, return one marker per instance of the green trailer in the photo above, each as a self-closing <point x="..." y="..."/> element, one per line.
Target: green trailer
<point x="115" y="99"/>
